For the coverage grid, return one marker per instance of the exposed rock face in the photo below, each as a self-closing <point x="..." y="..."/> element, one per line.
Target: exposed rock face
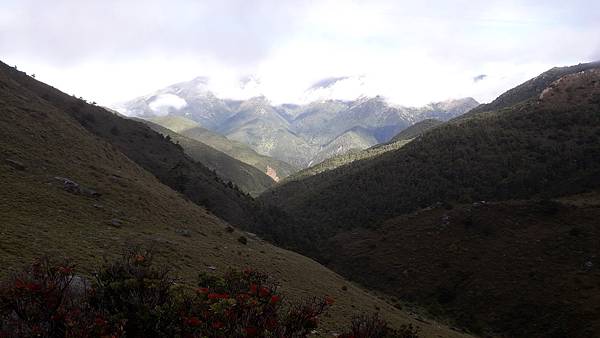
<point x="273" y="174"/>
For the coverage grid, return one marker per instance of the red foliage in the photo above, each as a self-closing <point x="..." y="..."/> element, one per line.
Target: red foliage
<point x="132" y="299"/>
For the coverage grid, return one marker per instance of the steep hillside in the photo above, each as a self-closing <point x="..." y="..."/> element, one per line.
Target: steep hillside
<point x="248" y="178"/>
<point x="274" y="141"/>
<point x="175" y="123"/>
<point x="354" y="139"/>
<point x="67" y="192"/>
<point x="531" y="88"/>
<point x="153" y="152"/>
<point x="272" y="167"/>
<point x="389" y="222"/>
<point x="346" y="158"/>
<point x="416" y="129"/>
<point x="532" y="149"/>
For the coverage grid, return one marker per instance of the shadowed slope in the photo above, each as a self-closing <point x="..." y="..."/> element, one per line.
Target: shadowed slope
<point x="248" y="178"/>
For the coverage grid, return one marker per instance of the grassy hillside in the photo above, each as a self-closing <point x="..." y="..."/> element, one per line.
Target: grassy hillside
<point x="152" y="151"/>
<point x="274" y="168"/>
<point x="67" y="192"/>
<point x="248" y="178"/>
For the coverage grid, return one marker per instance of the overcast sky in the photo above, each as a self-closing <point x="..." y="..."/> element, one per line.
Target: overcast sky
<point x="412" y="52"/>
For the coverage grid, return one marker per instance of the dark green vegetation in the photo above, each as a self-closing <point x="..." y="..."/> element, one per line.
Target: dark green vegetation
<point x="416" y="129"/>
<point x="531" y="149"/>
<point x="132" y="297"/>
<point x="272" y="167"/>
<point x="346" y="158"/>
<point x="248" y="178"/>
<point x="352" y="155"/>
<point x="68" y="190"/>
<point x="544" y="145"/>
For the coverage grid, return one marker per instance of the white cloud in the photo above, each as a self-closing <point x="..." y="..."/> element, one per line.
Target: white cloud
<point x="411" y="52"/>
<point x="163" y="103"/>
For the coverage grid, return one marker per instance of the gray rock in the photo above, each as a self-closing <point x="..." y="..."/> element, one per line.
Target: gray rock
<point x="184" y="232"/>
<point x="79" y="285"/>
<point x="16" y="164"/>
<point x="75" y="188"/>
<point x="117" y="223"/>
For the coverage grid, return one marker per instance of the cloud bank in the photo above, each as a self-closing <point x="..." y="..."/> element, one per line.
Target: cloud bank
<point x="413" y="53"/>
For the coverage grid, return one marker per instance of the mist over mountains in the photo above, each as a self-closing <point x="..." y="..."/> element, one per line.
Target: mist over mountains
<point x="299" y="134"/>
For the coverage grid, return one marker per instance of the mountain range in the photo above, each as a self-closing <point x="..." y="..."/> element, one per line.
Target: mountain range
<point x="301" y="135"/>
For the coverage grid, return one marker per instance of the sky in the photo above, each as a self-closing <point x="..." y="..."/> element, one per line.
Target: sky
<point x="411" y="52"/>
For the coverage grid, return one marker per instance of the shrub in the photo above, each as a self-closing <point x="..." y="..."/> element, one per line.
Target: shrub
<point x="375" y="327"/>
<point x="40" y="302"/>
<point x="131" y="297"/>
<point x="138" y="294"/>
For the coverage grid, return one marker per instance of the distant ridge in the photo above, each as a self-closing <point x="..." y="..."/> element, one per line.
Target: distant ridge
<point x="301" y="135"/>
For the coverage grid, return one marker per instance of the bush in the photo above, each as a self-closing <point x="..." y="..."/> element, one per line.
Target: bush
<point x="136" y="293"/>
<point x="41" y="302"/>
<point x="373" y="326"/>
<point x="132" y="298"/>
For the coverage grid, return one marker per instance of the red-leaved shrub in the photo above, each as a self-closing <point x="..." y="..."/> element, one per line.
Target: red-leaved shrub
<point x="131" y="297"/>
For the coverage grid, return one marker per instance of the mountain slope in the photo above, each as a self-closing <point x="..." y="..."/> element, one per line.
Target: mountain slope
<point x="543" y="148"/>
<point x="474" y="212"/>
<point x="154" y="153"/>
<point x="191" y="99"/>
<point x="175" y="123"/>
<point x="354" y="139"/>
<point x="248" y="178"/>
<point x="531" y="88"/>
<point x="346" y="158"/>
<point x="274" y="168"/>
<point x="118" y="204"/>
<point x="523" y="268"/>
<point x="416" y="129"/>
